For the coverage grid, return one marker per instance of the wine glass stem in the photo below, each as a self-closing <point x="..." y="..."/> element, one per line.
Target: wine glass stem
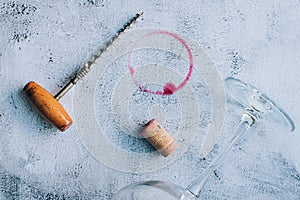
<point x="241" y="128"/>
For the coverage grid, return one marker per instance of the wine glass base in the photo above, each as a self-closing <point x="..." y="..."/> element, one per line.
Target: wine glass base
<point x="257" y="104"/>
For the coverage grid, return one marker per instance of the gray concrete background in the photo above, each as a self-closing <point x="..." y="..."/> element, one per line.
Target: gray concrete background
<point x="45" y="41"/>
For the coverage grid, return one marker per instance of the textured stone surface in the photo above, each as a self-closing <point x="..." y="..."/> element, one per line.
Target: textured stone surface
<point x="46" y="41"/>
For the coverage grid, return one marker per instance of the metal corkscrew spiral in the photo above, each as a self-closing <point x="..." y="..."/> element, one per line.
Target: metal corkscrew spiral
<point x="87" y="66"/>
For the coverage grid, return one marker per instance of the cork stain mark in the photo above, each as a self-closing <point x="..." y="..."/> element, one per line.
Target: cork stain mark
<point x="20" y="15"/>
<point x="236" y="62"/>
<point x="169" y="87"/>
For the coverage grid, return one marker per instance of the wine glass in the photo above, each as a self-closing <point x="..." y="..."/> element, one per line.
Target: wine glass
<point x="257" y="107"/>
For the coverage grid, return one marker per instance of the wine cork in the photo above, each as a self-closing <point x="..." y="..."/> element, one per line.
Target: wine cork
<point x="159" y="138"/>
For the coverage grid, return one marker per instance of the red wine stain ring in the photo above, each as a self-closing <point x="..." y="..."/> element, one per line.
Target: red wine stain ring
<point x="169" y="87"/>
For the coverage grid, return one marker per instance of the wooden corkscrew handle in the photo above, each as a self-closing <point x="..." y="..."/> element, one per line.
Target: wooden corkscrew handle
<point x="47" y="106"/>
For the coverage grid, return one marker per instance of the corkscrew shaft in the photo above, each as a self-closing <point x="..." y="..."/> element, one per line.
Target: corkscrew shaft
<point x="87" y="66"/>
